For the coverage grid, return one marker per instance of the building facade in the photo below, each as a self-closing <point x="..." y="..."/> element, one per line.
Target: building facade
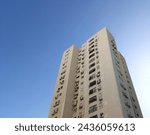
<point x="94" y="82"/>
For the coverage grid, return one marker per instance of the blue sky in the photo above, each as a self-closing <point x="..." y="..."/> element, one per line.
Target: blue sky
<point x="34" y="34"/>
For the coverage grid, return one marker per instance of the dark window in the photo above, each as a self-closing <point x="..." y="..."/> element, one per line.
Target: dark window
<point x="127" y="104"/>
<point x="75" y="96"/>
<point x="92" y="70"/>
<point x="58" y="90"/>
<point x="101" y="115"/>
<point x="91" y="40"/>
<point x="92" y="76"/>
<point x="122" y="86"/>
<point x="67" y="50"/>
<point x="133" y="99"/>
<point x="91" y="55"/>
<point x="135" y="106"/>
<point x="91" y="43"/>
<point x="56" y="103"/>
<point x="92" y="65"/>
<point x="93" y="90"/>
<point x="75" y="102"/>
<point x="93" y="99"/>
<point x="100" y="98"/>
<point x="80" y="106"/>
<point x="99" y="88"/>
<point x="130" y="116"/>
<point x="94" y="116"/>
<point x="93" y="108"/>
<point x="82" y="72"/>
<point x="91" y="47"/>
<point x="98" y="81"/>
<point x="92" y="83"/>
<point x="55" y="111"/>
<point x="98" y="74"/>
<point x="124" y="94"/>
<point x="92" y="60"/>
<point x="91" y="51"/>
<point x="63" y="72"/>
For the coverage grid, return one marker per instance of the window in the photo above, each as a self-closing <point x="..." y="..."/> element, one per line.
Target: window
<point x="90" y="51"/>
<point x="67" y="50"/>
<point x="93" y="99"/>
<point x="56" y="103"/>
<point x="58" y="90"/>
<point x="94" y="116"/>
<point x="55" y="111"/>
<point x="91" y="43"/>
<point x="98" y="81"/>
<point x="77" y="76"/>
<point x="56" y="97"/>
<point x="91" y="40"/>
<point x="92" y="83"/>
<point x="91" y="47"/>
<point x="92" y="76"/>
<point x="123" y="86"/>
<point x="62" y="82"/>
<point x="137" y="115"/>
<point x="92" y="65"/>
<point x="82" y="72"/>
<point x="91" y="55"/>
<point x="130" y="87"/>
<point x="92" y="60"/>
<point x="133" y="99"/>
<point x="74" y="109"/>
<point x="62" y="77"/>
<point x="101" y="115"/>
<point x="63" y="72"/>
<point x="80" y="106"/>
<point x="81" y="97"/>
<point x="124" y="94"/>
<point x="91" y="71"/>
<point x="93" y="90"/>
<point x="99" y="88"/>
<point x="75" y="102"/>
<point x="129" y="116"/>
<point x="93" y="108"/>
<point x="135" y="106"/>
<point x="98" y="74"/>
<point x="75" y="96"/>
<point x="127" y="104"/>
<point x="100" y="98"/>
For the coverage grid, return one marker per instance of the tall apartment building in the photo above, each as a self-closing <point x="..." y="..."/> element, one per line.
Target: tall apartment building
<point x="94" y="82"/>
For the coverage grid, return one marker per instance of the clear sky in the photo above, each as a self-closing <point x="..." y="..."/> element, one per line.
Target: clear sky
<point x="34" y="34"/>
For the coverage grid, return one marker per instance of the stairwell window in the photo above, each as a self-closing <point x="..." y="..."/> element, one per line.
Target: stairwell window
<point x="93" y="109"/>
<point x="92" y="99"/>
<point x="91" y="71"/>
<point x="92" y="83"/>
